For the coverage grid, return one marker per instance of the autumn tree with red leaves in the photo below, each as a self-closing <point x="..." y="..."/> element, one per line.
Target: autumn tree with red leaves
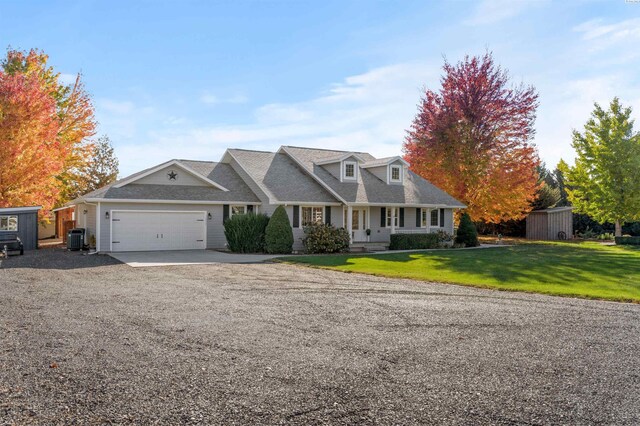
<point x="473" y="140"/>
<point x="44" y="130"/>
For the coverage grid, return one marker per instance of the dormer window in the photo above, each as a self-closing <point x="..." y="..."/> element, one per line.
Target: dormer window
<point x="396" y="174"/>
<point x="350" y="171"/>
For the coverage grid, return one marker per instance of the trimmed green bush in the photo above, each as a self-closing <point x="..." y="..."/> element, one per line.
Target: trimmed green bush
<point x="467" y="233"/>
<point x="631" y="241"/>
<point x="245" y="232"/>
<point x="323" y="238"/>
<point x="413" y="241"/>
<point x="278" y="236"/>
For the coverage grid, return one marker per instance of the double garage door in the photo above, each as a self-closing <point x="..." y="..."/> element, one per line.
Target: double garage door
<point x="157" y="230"/>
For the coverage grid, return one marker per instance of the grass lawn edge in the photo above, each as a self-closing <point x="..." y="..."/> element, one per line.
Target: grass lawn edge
<point x="291" y="260"/>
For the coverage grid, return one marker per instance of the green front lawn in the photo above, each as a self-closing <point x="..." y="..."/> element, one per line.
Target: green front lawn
<point x="586" y="270"/>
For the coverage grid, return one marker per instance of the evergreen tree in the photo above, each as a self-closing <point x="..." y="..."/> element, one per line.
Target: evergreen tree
<point x="278" y="237"/>
<point x="467" y="233"/>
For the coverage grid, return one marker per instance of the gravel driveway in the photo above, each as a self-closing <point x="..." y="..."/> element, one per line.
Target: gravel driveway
<point x="86" y="340"/>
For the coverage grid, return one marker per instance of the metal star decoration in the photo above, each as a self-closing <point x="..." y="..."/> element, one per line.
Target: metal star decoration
<point x="172" y="175"/>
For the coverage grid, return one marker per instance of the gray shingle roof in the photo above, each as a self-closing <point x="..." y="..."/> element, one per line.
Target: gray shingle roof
<point x="280" y="178"/>
<point x="369" y="189"/>
<point x="286" y="176"/>
<point x="220" y="173"/>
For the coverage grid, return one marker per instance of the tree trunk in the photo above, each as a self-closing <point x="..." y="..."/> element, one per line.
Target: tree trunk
<point x="618" y="229"/>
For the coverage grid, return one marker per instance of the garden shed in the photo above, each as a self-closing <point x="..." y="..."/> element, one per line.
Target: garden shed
<point x="22" y="221"/>
<point x="550" y="224"/>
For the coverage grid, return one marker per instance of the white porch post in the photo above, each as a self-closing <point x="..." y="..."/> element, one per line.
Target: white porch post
<point x="393" y="220"/>
<point x="428" y="225"/>
<point x="350" y="223"/>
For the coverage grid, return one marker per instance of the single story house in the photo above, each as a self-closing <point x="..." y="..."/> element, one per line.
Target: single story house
<point x="182" y="204"/>
<point x="22" y="221"/>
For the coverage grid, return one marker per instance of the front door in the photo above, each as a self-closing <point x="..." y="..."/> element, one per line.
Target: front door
<point x="358" y="224"/>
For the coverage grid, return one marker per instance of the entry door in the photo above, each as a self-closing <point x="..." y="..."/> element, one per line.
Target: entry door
<point x="157" y="230"/>
<point x="358" y="224"/>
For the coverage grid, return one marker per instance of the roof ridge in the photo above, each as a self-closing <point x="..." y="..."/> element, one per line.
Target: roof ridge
<point x="251" y="150"/>
<point x="326" y="149"/>
<point x="195" y="161"/>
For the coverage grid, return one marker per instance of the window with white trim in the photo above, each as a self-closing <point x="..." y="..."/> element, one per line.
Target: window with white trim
<point x="396" y="174"/>
<point x="8" y="223"/>
<point x="311" y="215"/>
<point x="423" y="218"/>
<point x="234" y="210"/>
<point x="350" y="170"/>
<point x="395" y="218"/>
<point x="435" y="218"/>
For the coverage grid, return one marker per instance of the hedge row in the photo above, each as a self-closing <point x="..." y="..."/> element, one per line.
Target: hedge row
<point x="632" y="241"/>
<point x="413" y="241"/>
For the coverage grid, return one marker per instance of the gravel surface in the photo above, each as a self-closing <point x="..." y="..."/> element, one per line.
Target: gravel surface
<point x="86" y="340"/>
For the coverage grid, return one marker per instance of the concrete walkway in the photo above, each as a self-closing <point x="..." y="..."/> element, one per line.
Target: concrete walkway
<point x="186" y="257"/>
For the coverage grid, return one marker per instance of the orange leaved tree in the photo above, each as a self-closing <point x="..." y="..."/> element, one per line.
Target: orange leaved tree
<point x="473" y="139"/>
<point x="44" y="130"/>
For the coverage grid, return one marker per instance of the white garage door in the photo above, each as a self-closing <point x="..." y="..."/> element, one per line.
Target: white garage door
<point x="157" y="230"/>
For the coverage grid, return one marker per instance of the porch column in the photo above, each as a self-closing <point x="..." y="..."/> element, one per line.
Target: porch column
<point x="393" y="220"/>
<point x="350" y="223"/>
<point x="428" y="221"/>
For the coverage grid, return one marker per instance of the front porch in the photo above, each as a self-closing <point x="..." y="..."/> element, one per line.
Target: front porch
<point x="374" y="225"/>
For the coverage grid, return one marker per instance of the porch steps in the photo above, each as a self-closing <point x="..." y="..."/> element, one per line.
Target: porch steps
<point x="368" y="247"/>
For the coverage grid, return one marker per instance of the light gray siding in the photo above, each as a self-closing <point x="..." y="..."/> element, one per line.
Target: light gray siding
<point x="379" y="172"/>
<point x="86" y="221"/>
<point x="334" y="169"/>
<point x="183" y="178"/>
<point x="215" y="228"/>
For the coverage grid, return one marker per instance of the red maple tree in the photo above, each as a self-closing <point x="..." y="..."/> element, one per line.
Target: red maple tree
<point x="473" y="140"/>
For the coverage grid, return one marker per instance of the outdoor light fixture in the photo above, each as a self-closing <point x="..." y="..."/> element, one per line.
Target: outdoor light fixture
<point x="209" y="215"/>
<point x="106" y="214"/>
<point x="85" y="211"/>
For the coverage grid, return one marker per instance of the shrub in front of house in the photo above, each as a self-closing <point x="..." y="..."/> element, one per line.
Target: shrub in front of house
<point x="413" y="241"/>
<point x="467" y="233"/>
<point x="245" y="232"/>
<point x="323" y="238"/>
<point x="445" y="239"/>
<point x="278" y="237"/>
<point x="631" y="241"/>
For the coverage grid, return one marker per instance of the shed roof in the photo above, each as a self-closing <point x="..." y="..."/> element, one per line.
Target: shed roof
<point x="552" y="210"/>
<point x="20" y="209"/>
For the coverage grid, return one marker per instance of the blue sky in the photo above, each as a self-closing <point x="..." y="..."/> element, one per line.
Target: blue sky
<point x="187" y="79"/>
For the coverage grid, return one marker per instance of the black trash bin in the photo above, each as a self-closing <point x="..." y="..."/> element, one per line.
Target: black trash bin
<point x="75" y="239"/>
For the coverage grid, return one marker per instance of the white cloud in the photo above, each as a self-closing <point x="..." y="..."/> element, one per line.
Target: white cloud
<point x="564" y="110"/>
<point x="368" y="112"/>
<point x="493" y="11"/>
<point x="120" y="119"/>
<point x="67" y="79"/>
<point x="211" y="99"/>
<point x="603" y="35"/>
